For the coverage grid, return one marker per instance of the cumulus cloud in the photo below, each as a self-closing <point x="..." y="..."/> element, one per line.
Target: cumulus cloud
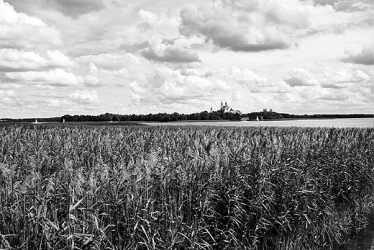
<point x="365" y="56"/>
<point x="17" y="60"/>
<point x="347" y="5"/>
<point x="349" y="77"/>
<point x="7" y="93"/>
<point x="84" y="96"/>
<point x="110" y="62"/>
<point x="154" y="24"/>
<point x="252" y="26"/>
<point x="55" y="77"/>
<point x="230" y="28"/>
<point x="53" y="103"/>
<point x="299" y="77"/>
<point x="103" y="72"/>
<point x="167" y="86"/>
<point x="334" y="96"/>
<point x="91" y="81"/>
<point x="162" y="52"/>
<point x="326" y="85"/>
<point x="236" y="96"/>
<point x="247" y="77"/>
<point x="18" y="30"/>
<point x="134" y="86"/>
<point x="7" y="97"/>
<point x="326" y="78"/>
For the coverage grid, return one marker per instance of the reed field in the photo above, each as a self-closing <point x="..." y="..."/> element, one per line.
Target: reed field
<point x="183" y="187"/>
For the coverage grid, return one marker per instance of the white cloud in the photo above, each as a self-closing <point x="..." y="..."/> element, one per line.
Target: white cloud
<point x="7" y="97"/>
<point x="55" y="77"/>
<point x="162" y="52"/>
<point x="18" y="30"/>
<point x="84" y="97"/>
<point x="347" y="5"/>
<point x="153" y="24"/>
<point x="299" y="77"/>
<point x="136" y="88"/>
<point x="236" y="96"/>
<point x="230" y="28"/>
<point x="326" y="77"/>
<point x="53" y="103"/>
<point x="247" y="77"/>
<point x="7" y="93"/>
<point x="148" y="17"/>
<point x="348" y="77"/>
<point x="9" y="86"/>
<point x="17" y="60"/>
<point x="123" y="43"/>
<point x="253" y="26"/>
<point x="91" y="81"/>
<point x="365" y="56"/>
<point x="95" y="70"/>
<point x="170" y="87"/>
<point x="110" y="62"/>
<point x="334" y="96"/>
<point x="58" y="59"/>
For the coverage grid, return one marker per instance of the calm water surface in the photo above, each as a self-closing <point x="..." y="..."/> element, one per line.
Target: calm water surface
<point x="337" y="123"/>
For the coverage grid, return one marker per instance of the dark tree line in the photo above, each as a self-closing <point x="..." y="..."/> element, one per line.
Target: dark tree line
<point x="160" y="117"/>
<point x="281" y="116"/>
<point x="164" y="117"/>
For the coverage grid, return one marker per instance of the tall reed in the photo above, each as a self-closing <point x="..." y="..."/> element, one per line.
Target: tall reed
<point x="95" y="187"/>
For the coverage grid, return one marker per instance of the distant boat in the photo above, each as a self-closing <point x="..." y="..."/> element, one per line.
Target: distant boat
<point x="36" y="121"/>
<point x="257" y="119"/>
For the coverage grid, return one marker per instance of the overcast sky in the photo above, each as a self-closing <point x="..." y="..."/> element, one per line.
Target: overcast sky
<point x="95" y="56"/>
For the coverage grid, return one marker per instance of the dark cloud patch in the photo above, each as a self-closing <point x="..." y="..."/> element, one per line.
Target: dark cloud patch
<point x="365" y="56"/>
<point x="347" y="5"/>
<point x="325" y="2"/>
<point x="135" y="47"/>
<point x="247" y="47"/>
<point x="226" y="31"/>
<point x="294" y="82"/>
<point x="72" y="8"/>
<point x="334" y="97"/>
<point x="158" y="51"/>
<point x="208" y="74"/>
<point x="333" y="86"/>
<point x="75" y="8"/>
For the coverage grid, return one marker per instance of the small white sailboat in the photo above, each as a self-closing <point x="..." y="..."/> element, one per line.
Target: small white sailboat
<point x="257" y="119"/>
<point x="36" y="121"/>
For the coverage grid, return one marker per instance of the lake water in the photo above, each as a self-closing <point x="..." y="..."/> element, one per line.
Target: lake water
<point x="337" y="123"/>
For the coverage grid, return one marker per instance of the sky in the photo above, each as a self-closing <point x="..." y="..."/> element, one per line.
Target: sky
<point x="73" y="57"/>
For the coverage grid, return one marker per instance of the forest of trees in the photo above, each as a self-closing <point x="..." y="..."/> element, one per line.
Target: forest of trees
<point x="283" y="116"/>
<point x="160" y="117"/>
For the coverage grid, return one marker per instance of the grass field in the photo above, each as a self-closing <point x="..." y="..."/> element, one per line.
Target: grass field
<point x="112" y="187"/>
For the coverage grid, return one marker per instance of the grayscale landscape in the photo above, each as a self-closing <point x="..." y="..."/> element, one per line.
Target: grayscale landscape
<point x="217" y="124"/>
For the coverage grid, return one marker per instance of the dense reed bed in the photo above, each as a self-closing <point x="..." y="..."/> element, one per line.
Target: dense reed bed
<point x="191" y="187"/>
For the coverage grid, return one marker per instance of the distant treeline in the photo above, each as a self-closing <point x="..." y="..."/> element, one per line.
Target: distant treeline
<point x="280" y="116"/>
<point x="164" y="117"/>
<point x="160" y="117"/>
<point x="49" y="119"/>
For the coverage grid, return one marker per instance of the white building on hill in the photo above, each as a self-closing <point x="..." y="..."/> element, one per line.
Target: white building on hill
<point x="227" y="109"/>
